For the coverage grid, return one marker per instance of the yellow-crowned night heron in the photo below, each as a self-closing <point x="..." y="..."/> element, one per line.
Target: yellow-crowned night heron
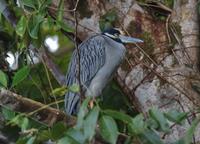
<point x="100" y="56"/>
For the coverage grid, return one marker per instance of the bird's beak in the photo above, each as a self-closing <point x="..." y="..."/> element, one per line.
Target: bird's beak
<point x="126" y="39"/>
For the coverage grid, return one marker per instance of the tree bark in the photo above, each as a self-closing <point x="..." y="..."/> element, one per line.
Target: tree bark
<point x="41" y="112"/>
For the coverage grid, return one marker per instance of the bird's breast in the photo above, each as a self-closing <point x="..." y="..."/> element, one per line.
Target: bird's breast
<point x="114" y="54"/>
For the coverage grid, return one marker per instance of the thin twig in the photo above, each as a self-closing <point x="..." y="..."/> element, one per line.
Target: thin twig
<point x="53" y="68"/>
<point x="44" y="107"/>
<point x="78" y="53"/>
<point x="49" y="81"/>
<point x="41" y="79"/>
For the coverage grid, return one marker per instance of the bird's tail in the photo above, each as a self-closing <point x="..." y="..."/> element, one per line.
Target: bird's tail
<point x="72" y="103"/>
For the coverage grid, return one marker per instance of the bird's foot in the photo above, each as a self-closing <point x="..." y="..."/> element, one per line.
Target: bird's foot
<point x="91" y="103"/>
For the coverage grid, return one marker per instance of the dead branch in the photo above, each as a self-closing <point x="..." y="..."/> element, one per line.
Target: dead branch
<point x="43" y="113"/>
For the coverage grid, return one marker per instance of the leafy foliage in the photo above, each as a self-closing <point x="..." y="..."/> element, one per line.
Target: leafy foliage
<point x="85" y="129"/>
<point x="108" y="129"/>
<point x="158" y="116"/>
<point x="175" y="116"/>
<point x="21" y="26"/>
<point x="3" y="79"/>
<point x="108" y="20"/>
<point x="20" y="75"/>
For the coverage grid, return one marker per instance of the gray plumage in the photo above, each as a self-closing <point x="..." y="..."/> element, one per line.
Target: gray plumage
<point x="99" y="58"/>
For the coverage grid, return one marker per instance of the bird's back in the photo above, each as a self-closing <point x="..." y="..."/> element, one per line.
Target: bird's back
<point x="92" y="58"/>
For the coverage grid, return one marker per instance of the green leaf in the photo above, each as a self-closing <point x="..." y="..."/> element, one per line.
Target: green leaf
<point x="151" y="123"/>
<point x="64" y="26"/>
<point x="180" y="141"/>
<point x="46" y="27"/>
<point x="45" y="4"/>
<point x="20" y="121"/>
<point x="151" y="137"/>
<point x="158" y="116"/>
<point x="119" y="115"/>
<point x="34" y="31"/>
<point x="59" y="18"/>
<point x="8" y="114"/>
<point x="137" y="126"/>
<point x="103" y="25"/>
<point x="31" y="140"/>
<point x="77" y="135"/>
<point x="3" y="79"/>
<point x="22" y="140"/>
<point x="59" y="91"/>
<point x="21" y="26"/>
<point x="189" y="134"/>
<point x="74" y="88"/>
<point x="67" y="140"/>
<point x="20" y="75"/>
<point x="21" y="44"/>
<point x="34" y="25"/>
<point x="111" y="16"/>
<point x="128" y="140"/>
<point x="82" y="113"/>
<point x="107" y="20"/>
<point x="89" y="124"/>
<point x="58" y="130"/>
<point x="176" y="116"/>
<point x="24" y="124"/>
<point x="44" y="135"/>
<point x="108" y="129"/>
<point x="60" y="11"/>
<point x="28" y="3"/>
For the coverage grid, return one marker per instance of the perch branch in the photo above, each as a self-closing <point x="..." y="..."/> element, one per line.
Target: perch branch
<point x="43" y="113"/>
<point x="38" y="111"/>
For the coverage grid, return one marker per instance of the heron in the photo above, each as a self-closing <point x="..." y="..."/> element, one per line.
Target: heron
<point x="99" y="56"/>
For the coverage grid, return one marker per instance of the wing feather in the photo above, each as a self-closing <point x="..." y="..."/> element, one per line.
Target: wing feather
<point x="92" y="58"/>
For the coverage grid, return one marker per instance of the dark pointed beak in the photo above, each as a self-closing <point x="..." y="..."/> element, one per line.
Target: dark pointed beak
<point x="126" y="39"/>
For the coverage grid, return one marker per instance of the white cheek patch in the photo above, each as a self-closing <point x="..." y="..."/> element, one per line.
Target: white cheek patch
<point x="112" y="36"/>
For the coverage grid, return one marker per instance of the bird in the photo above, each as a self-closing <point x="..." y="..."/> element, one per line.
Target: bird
<point x="99" y="56"/>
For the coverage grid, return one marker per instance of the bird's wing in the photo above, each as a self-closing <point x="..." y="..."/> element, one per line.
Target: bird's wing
<point x="92" y="58"/>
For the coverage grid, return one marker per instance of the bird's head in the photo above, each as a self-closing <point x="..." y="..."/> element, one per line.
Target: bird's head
<point x="118" y="35"/>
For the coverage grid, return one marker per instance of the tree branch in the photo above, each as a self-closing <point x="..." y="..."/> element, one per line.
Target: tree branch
<point x="43" y="113"/>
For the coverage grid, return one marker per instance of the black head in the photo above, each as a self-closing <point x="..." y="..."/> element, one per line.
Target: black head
<point x="112" y="31"/>
<point x="118" y="36"/>
<point x="113" y="34"/>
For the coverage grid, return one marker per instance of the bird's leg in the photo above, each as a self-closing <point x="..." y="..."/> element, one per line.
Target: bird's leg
<point x="91" y="103"/>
